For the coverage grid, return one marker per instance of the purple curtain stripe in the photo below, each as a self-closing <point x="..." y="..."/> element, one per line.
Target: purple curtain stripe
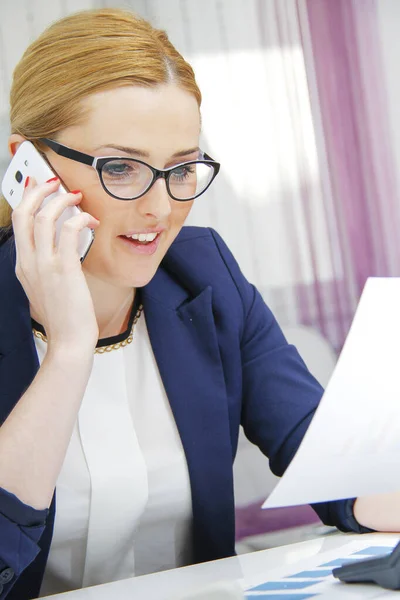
<point x="351" y="93"/>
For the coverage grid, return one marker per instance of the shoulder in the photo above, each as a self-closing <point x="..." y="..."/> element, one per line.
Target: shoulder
<point x="7" y="261"/>
<point x="14" y="304"/>
<point x="199" y="258"/>
<point x="202" y="244"/>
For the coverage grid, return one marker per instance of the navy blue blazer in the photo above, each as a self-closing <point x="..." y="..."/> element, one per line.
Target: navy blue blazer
<point x="224" y="362"/>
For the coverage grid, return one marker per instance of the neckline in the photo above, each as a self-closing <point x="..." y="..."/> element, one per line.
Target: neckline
<point x="107" y="341"/>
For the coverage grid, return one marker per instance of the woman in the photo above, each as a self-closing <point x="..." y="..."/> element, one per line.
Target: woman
<point x="124" y="381"/>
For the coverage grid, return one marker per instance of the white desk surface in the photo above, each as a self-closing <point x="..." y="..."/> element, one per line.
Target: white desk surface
<point x="249" y="570"/>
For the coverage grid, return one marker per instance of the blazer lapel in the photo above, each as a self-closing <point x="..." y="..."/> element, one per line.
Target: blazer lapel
<point x="184" y="341"/>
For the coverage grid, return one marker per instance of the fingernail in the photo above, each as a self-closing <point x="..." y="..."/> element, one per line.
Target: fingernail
<point x="52" y="179"/>
<point x="26" y="182"/>
<point x="75" y="192"/>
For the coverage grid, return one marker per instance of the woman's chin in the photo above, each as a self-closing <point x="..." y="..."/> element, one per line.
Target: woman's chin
<point x="135" y="279"/>
<point x="122" y="276"/>
<point x="141" y="282"/>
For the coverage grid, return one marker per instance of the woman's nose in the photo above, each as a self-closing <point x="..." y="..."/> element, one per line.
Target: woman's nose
<point x="156" y="202"/>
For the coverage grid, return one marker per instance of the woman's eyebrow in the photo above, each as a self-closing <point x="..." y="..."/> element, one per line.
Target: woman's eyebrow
<point x="185" y="152"/>
<point x="142" y="153"/>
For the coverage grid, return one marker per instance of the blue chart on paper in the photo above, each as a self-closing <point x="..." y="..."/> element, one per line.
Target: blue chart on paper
<point x="307" y="584"/>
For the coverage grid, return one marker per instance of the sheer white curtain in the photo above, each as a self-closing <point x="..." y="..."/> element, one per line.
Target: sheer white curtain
<point x="249" y="62"/>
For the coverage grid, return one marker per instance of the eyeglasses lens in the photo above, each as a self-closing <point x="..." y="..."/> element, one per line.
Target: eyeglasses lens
<point x="128" y="179"/>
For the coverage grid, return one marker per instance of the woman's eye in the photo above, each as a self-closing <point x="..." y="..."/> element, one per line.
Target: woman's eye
<point x="183" y="172"/>
<point x="119" y="169"/>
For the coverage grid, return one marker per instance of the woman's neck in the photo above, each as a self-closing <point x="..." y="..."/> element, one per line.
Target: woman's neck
<point x="112" y="306"/>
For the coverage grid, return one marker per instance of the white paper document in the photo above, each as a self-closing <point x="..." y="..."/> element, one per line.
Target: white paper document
<point x="352" y="447"/>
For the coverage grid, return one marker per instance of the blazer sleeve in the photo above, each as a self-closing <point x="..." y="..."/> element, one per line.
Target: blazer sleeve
<point x="21" y="527"/>
<point x="280" y="395"/>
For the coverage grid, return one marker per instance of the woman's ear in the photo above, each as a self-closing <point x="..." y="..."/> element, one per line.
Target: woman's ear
<point x="14" y="141"/>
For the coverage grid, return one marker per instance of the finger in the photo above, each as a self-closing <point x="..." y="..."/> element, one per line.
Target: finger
<point x="22" y="223"/>
<point x="22" y="216"/>
<point x="69" y="237"/>
<point x="35" y="194"/>
<point x="45" y="222"/>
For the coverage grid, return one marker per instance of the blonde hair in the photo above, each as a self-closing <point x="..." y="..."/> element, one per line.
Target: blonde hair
<point x="80" y="55"/>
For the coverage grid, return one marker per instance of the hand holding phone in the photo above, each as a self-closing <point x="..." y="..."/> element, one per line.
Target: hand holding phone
<point x="28" y="162"/>
<point x="51" y="275"/>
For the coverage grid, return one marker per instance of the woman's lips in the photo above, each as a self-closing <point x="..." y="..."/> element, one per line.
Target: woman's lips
<point x="137" y="247"/>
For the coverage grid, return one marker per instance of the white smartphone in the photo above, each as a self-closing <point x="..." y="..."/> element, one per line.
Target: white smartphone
<point x="27" y="161"/>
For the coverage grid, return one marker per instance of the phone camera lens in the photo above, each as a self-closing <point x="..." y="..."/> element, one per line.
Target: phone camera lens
<point x="18" y="176"/>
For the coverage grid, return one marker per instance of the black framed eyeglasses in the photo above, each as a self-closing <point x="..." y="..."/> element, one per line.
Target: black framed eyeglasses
<point x="129" y="178"/>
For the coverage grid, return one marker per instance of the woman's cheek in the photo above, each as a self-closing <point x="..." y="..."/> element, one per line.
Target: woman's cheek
<point x="182" y="212"/>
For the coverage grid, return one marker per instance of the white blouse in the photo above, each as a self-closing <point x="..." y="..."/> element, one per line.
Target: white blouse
<point x="123" y="504"/>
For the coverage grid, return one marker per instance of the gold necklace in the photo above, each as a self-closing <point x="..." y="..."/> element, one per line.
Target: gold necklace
<point x="104" y="349"/>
